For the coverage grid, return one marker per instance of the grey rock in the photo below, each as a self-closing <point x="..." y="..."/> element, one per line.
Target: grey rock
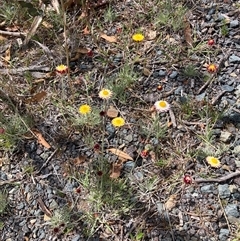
<point x="220" y="17"/>
<point x="225" y="136"/>
<point x="129" y="165"/>
<point x="234" y="23"/>
<point x="234" y="59"/>
<point x="232" y="210"/>
<point x="236" y="149"/>
<point x="20" y="206"/>
<point x="68" y="187"/>
<point x="173" y="74"/>
<point x="208" y="188"/>
<point x="223" y="234"/>
<point x="139" y="176"/>
<point x="237" y="163"/>
<point x="228" y="88"/>
<point x="178" y="90"/>
<point x="129" y="138"/>
<point x="162" y="73"/>
<point x="224" y="191"/>
<point x="76" y="238"/>
<point x="200" y="97"/>
<point x="53" y="204"/>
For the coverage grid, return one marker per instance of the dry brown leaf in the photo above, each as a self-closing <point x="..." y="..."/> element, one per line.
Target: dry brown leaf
<point x="187" y="33"/>
<point x="79" y="160"/>
<point x="47" y="24"/>
<point x="146" y="72"/>
<point x="111" y="39"/>
<point x="171" y="202"/>
<point x="120" y="153"/>
<point x="37" y="97"/>
<point x="41" y="139"/>
<point x="112" y="112"/>
<point x="56" y="6"/>
<point x="2" y="38"/>
<point x="86" y="31"/>
<point x="46" y="217"/>
<point x="151" y="34"/>
<point x="83" y="15"/>
<point x="83" y="50"/>
<point x="7" y="57"/>
<point x="116" y="170"/>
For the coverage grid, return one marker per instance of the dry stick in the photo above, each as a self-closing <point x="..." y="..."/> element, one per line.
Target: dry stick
<point x="205" y="85"/>
<point x="218" y="180"/>
<point x="66" y="47"/>
<point x="47" y="161"/>
<point x="224" y="213"/>
<point x="215" y="100"/>
<point x="24" y="69"/>
<point x="15" y="34"/>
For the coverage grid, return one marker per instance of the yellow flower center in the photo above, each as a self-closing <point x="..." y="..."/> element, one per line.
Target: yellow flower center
<point x="105" y="92"/>
<point x="162" y="104"/>
<point x="214" y="160"/>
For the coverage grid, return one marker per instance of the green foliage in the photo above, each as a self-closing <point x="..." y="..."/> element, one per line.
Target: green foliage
<point x="190" y="71"/>
<point x="124" y="80"/>
<point x="3" y="202"/>
<point x="171" y="15"/>
<point x="14" y="127"/>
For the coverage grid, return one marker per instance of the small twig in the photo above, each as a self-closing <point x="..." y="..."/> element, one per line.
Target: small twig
<point x="218" y="180"/>
<point x="215" y="100"/>
<point x="21" y="70"/>
<point x="205" y="85"/>
<point x="47" y="161"/>
<point x="15" y="34"/>
<point x="11" y="181"/>
<point x="173" y="119"/>
<point x="224" y="213"/>
<point x="44" y="208"/>
<point x="236" y="110"/>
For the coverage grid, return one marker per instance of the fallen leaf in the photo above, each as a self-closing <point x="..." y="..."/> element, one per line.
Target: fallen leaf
<point x="41" y="139"/>
<point x="146" y="72"/>
<point x="47" y="24"/>
<point x="171" y="202"/>
<point x="46" y="217"/>
<point x="83" y="15"/>
<point x="112" y="112"/>
<point x="79" y="160"/>
<point x="116" y="170"/>
<point x="187" y="32"/>
<point x="56" y="6"/>
<point x="86" y="31"/>
<point x="44" y="208"/>
<point x="111" y="39"/>
<point x="7" y="57"/>
<point x="151" y="34"/>
<point x="2" y="38"/>
<point x="83" y="50"/>
<point x="120" y="153"/>
<point x="37" y="97"/>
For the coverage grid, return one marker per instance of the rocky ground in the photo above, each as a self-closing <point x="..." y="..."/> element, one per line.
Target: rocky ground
<point x="62" y="192"/>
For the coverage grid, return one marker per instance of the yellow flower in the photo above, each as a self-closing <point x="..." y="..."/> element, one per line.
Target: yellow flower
<point x="118" y="122"/>
<point x="213" y="161"/>
<point x="162" y="106"/>
<point x="138" y="37"/>
<point x="105" y="94"/>
<point x="212" y="68"/>
<point x="84" y="109"/>
<point x="62" y="69"/>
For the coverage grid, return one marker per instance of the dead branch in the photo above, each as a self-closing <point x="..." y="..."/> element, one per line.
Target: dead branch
<point x="218" y="180"/>
<point x="15" y="34"/>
